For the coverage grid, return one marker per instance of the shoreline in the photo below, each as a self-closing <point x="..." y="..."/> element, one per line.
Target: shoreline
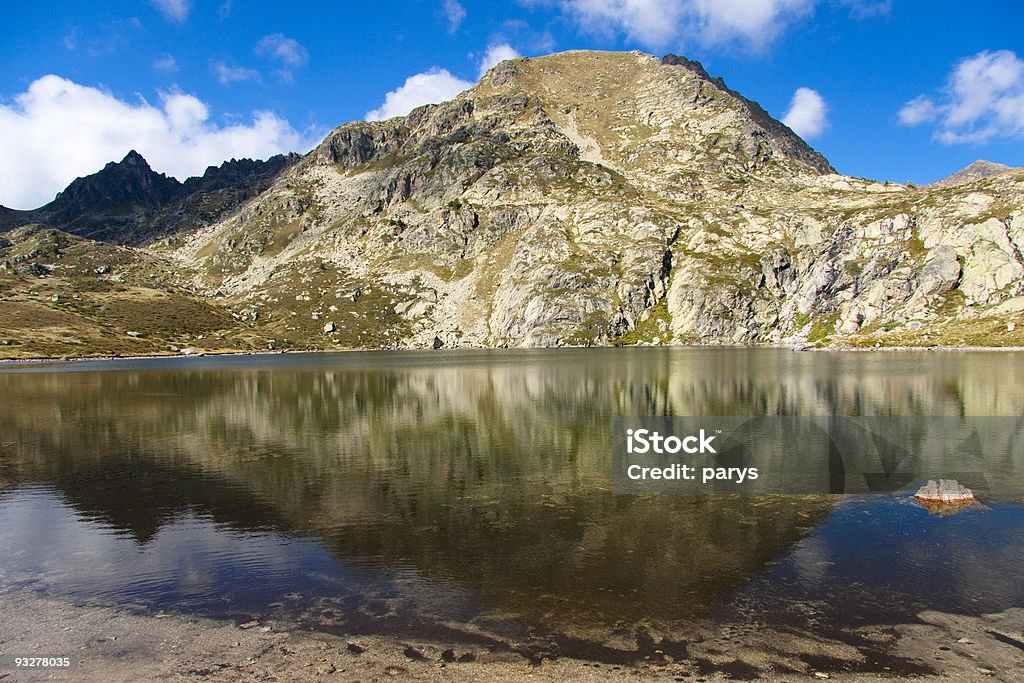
<point x="125" y="644"/>
<point x="790" y="347"/>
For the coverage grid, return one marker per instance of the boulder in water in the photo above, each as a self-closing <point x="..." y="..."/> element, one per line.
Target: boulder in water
<point x="945" y="491"/>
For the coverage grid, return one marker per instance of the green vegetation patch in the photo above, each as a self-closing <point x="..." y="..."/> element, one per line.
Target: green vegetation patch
<point x="823" y="328"/>
<point x="591" y="331"/>
<point x="646" y="331"/>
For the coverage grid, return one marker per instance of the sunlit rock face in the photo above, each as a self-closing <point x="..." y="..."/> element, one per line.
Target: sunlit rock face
<point x="593" y="198"/>
<point x="582" y="198"/>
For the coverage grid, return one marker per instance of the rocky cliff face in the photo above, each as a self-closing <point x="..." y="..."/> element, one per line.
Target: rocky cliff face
<point x="594" y="198"/>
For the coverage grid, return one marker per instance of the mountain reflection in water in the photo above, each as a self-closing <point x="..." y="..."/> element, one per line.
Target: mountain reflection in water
<point x="467" y="491"/>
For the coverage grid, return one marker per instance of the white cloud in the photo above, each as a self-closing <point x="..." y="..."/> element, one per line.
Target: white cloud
<point x="233" y="74"/>
<point x="173" y="10"/>
<point x="983" y="99"/>
<point x="652" y="22"/>
<point x="431" y="86"/>
<point x="754" y="22"/>
<point x="282" y="48"/>
<point x="658" y="23"/>
<point x="455" y="13"/>
<point x="166" y="63"/>
<point x="58" y="130"/>
<point x="808" y="113"/>
<point x="982" y="84"/>
<point x="495" y="54"/>
<point x="918" y="110"/>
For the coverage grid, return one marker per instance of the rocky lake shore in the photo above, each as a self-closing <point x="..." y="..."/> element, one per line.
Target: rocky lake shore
<point x="120" y="644"/>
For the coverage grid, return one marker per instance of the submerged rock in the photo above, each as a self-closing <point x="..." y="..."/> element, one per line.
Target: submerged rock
<point x="945" y="491"/>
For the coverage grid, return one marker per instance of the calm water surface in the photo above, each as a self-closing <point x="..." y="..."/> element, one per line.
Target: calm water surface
<point x="467" y="495"/>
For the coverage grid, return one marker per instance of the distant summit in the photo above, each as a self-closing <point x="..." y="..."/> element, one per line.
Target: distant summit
<point x="121" y="187"/>
<point x="976" y="171"/>
<point x="129" y="202"/>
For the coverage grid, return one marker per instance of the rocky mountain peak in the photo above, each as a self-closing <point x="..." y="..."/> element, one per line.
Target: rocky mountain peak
<point x="661" y="123"/>
<point x="127" y="201"/>
<point x="691" y="64"/>
<point x="974" y="171"/>
<point x="635" y="108"/>
<point x="133" y="158"/>
<point x="121" y="187"/>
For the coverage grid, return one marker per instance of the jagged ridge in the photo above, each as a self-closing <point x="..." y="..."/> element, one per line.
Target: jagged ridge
<point x="128" y="202"/>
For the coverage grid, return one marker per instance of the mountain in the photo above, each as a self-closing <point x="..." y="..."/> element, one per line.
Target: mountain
<point x="975" y="171"/>
<point x="128" y="202"/>
<point x="582" y="198"/>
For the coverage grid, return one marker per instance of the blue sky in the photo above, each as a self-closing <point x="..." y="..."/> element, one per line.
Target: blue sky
<point x="886" y="89"/>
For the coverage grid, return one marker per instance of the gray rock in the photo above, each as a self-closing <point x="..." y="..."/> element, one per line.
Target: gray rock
<point x="940" y="273"/>
<point x="944" y="491"/>
<point x="852" y="324"/>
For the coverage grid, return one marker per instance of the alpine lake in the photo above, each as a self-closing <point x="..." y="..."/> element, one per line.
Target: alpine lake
<point x="466" y="496"/>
